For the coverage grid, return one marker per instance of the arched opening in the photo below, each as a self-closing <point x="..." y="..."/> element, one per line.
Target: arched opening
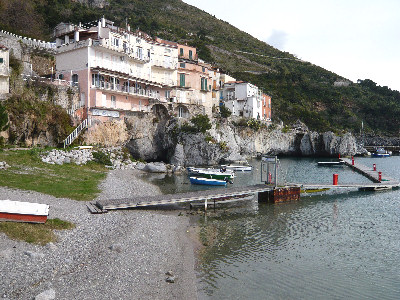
<point x="182" y="112"/>
<point x="160" y="111"/>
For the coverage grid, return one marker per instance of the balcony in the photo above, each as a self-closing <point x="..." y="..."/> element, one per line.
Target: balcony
<point x="163" y="64"/>
<point x="130" y="90"/>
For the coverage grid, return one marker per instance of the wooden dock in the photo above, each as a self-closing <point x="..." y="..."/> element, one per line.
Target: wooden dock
<point x="223" y="194"/>
<point x="371" y="174"/>
<point x="204" y="195"/>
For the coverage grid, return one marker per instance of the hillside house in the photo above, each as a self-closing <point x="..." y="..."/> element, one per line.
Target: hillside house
<point x="4" y="72"/>
<point x="118" y="71"/>
<point x="194" y="80"/>
<point x="266" y="108"/>
<point x="243" y="99"/>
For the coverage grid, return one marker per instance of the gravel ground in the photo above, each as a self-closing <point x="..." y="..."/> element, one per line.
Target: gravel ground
<point x="119" y="255"/>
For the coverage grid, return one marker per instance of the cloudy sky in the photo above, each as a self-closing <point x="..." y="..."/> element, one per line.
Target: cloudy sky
<point x="357" y="39"/>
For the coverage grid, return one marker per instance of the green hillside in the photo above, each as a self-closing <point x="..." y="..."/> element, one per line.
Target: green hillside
<point x="299" y="90"/>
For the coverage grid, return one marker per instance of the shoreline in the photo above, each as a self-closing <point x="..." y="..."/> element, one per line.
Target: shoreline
<point x="119" y="255"/>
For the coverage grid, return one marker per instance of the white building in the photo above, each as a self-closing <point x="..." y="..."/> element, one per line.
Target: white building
<point x="243" y="99"/>
<point x="4" y="71"/>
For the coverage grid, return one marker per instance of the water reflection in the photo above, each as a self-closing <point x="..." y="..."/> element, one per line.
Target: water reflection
<point x="329" y="247"/>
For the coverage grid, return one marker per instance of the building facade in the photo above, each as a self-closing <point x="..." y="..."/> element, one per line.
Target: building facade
<point x="243" y="99"/>
<point x="118" y="71"/>
<point x="4" y="72"/>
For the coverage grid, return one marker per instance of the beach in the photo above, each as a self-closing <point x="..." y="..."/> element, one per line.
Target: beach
<point x="118" y="255"/>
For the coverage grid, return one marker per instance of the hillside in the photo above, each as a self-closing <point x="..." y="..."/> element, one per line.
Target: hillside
<point x="299" y="90"/>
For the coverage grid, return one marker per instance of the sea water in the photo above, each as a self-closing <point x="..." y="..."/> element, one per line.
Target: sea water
<point x="337" y="245"/>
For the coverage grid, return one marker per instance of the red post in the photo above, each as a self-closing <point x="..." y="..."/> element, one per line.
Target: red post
<point x="335" y="179"/>
<point x="352" y="160"/>
<point x="339" y="155"/>
<point x="380" y="176"/>
<point x="374" y="167"/>
<point x="269" y="177"/>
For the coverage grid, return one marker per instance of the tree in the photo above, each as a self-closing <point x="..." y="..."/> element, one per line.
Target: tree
<point x="225" y="112"/>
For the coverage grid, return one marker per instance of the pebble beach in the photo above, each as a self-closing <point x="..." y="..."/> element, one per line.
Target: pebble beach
<point x="126" y="254"/>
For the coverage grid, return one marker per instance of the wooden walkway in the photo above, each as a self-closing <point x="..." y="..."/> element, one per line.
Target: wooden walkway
<point x="211" y="194"/>
<point x="221" y="194"/>
<point x="371" y="174"/>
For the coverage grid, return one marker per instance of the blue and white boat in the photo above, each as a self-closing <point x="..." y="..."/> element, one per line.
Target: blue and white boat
<point x="381" y="152"/>
<point x="207" y="181"/>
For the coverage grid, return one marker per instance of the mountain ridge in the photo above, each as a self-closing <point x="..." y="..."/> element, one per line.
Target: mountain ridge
<point x="299" y="89"/>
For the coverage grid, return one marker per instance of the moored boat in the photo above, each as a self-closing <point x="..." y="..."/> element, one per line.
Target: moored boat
<point x="381" y="152"/>
<point x="237" y="168"/>
<point x="23" y="211"/>
<point x="207" y="181"/>
<point x="212" y="173"/>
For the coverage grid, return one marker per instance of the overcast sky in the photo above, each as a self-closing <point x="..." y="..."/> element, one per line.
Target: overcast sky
<point x="357" y="39"/>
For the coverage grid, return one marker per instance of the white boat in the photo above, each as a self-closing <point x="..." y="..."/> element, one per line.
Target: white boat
<point x="381" y="152"/>
<point x="211" y="173"/>
<point x="237" y="168"/>
<point x="23" y="211"/>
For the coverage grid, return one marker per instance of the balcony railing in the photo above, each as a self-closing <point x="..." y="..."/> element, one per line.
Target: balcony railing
<point x="131" y="90"/>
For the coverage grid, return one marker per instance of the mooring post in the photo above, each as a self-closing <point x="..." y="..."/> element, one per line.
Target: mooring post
<point x="380" y="176"/>
<point x="335" y="179"/>
<point x="374" y="165"/>
<point x="352" y="160"/>
<point x="205" y="205"/>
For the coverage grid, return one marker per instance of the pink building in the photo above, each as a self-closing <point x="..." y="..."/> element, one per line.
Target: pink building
<point x="118" y="71"/>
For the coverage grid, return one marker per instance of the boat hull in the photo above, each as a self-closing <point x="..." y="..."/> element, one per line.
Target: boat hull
<point x="22" y="218"/>
<point x="207" y="181"/>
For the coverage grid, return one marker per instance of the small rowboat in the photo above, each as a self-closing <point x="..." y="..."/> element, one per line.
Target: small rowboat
<point x="211" y="173"/>
<point x="237" y="168"/>
<point x="23" y="211"/>
<point x="207" y="181"/>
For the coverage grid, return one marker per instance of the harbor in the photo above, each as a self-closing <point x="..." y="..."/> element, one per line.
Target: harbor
<point x="267" y="190"/>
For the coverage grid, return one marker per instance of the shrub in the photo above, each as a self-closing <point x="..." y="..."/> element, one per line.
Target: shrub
<point x="201" y="123"/>
<point x="254" y="124"/>
<point x="102" y="158"/>
<point x="225" y="112"/>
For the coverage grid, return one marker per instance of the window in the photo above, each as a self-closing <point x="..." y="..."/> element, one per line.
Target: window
<point x="1" y="60"/>
<point x="205" y="84"/>
<point x="182" y="80"/>
<point x="204" y="69"/>
<point x="190" y="54"/>
<point x="180" y="112"/>
<point x="181" y="51"/>
<point x="202" y="84"/>
<point x="140" y="53"/>
<point x="167" y="94"/>
<point x="209" y="87"/>
<point x="116" y="42"/>
<point x="61" y="76"/>
<point x="148" y="53"/>
<point x="74" y="79"/>
<point x="113" y="102"/>
<point x="182" y="65"/>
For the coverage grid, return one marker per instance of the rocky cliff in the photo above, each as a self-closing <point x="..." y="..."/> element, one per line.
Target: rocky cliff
<point x="154" y="139"/>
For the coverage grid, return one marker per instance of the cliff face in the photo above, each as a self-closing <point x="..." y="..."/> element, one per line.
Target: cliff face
<point x="163" y="140"/>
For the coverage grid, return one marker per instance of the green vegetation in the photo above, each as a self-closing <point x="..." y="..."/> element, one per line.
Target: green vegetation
<point x="28" y="172"/>
<point x="102" y="158"/>
<point x="224" y="111"/>
<point x="299" y="89"/>
<point x="30" y="117"/>
<point x="35" y="233"/>
<point x="201" y="123"/>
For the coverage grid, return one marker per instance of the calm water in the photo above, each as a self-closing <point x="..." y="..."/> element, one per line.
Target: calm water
<point x="335" y="246"/>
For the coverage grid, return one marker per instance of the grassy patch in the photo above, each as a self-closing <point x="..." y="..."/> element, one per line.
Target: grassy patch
<point x="28" y="172"/>
<point x="35" y="233"/>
